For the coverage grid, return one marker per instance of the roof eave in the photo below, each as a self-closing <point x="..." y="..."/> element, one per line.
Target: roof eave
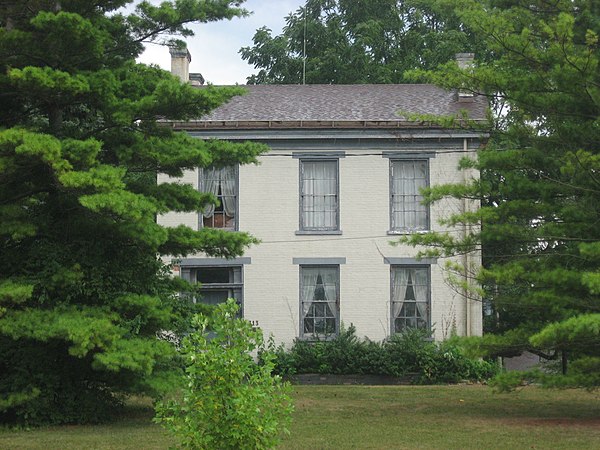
<point x="317" y="124"/>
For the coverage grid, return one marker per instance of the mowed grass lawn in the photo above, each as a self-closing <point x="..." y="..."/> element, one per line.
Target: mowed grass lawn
<point x="377" y="417"/>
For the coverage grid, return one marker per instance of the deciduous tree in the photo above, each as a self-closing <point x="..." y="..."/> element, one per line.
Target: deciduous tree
<point x="358" y="41"/>
<point x="228" y="401"/>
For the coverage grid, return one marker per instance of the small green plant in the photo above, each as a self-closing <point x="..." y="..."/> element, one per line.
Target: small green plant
<point x="510" y="381"/>
<point x="228" y="400"/>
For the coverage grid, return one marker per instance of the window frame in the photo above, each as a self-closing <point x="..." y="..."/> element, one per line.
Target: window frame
<point x="191" y="266"/>
<point x="314" y="336"/>
<point x="393" y="268"/>
<point x="302" y="228"/>
<point x="201" y="188"/>
<point x="402" y="158"/>
<point x="235" y="288"/>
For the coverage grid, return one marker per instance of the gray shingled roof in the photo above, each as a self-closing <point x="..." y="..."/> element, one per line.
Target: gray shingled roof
<point x="360" y="102"/>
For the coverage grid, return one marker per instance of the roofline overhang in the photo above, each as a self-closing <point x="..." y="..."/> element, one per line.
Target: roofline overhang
<point x="196" y="125"/>
<point x="348" y="136"/>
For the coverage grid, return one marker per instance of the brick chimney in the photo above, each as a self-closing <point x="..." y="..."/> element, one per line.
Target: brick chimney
<point x="180" y="63"/>
<point x="180" y="66"/>
<point x="465" y="62"/>
<point x="196" y="79"/>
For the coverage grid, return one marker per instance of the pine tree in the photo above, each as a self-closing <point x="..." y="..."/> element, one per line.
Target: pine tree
<point x="540" y="180"/>
<point x="83" y="133"/>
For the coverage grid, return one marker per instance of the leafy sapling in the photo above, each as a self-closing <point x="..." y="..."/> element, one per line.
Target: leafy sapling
<point x="228" y="400"/>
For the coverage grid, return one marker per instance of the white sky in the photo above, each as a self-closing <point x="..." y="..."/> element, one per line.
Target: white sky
<point x="214" y="47"/>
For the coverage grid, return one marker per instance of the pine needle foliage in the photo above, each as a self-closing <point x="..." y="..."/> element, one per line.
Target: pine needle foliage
<point x="83" y="134"/>
<point x="539" y="187"/>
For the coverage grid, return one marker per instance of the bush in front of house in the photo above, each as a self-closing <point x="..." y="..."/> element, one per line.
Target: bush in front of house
<point x="227" y="400"/>
<point x="411" y="353"/>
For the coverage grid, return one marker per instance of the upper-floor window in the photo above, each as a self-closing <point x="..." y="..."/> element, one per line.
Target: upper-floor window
<point x="223" y="184"/>
<point x="407" y="211"/>
<point x="319" y="206"/>
<point x="319" y="299"/>
<point x="410" y="298"/>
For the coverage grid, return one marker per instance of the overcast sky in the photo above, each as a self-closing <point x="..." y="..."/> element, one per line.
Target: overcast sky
<point x="215" y="46"/>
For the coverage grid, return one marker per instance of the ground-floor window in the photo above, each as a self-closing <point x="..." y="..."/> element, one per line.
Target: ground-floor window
<point x="319" y="298"/>
<point x="410" y="297"/>
<point x="218" y="283"/>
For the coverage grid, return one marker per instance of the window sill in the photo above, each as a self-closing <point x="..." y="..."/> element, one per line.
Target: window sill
<point x="313" y="232"/>
<point x="313" y="339"/>
<point x="424" y="339"/>
<point x="232" y="230"/>
<point x="406" y="232"/>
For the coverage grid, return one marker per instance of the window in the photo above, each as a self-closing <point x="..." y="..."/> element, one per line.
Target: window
<point x="223" y="184"/>
<point x="218" y="284"/>
<point x="410" y="298"/>
<point x="407" y="178"/>
<point x="319" y="298"/>
<point x="319" y="195"/>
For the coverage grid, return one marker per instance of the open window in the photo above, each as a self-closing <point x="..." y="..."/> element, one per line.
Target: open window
<point x="218" y="282"/>
<point x="223" y="184"/>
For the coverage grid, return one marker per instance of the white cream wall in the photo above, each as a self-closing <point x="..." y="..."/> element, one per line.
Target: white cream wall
<point x="269" y="210"/>
<point x="173" y="219"/>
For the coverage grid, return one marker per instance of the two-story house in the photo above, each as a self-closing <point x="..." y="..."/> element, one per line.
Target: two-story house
<point x="341" y="180"/>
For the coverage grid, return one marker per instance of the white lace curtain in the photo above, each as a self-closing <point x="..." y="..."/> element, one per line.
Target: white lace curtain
<point x="225" y="179"/>
<point x="319" y="194"/>
<point x="419" y="280"/>
<point x="400" y="282"/>
<point x="310" y="276"/>
<point x="420" y="286"/>
<point x="408" y="178"/>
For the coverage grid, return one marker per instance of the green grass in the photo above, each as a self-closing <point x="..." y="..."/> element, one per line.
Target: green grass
<point x="132" y="430"/>
<point x="377" y="417"/>
<point x="443" y="417"/>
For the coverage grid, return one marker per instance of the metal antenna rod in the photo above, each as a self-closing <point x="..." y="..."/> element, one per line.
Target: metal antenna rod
<point x="304" y="49"/>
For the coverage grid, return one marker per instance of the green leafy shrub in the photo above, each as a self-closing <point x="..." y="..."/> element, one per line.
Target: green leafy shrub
<point x="412" y="352"/>
<point x="450" y="365"/>
<point x="340" y="355"/>
<point x="228" y="400"/>
<point x="509" y="381"/>
<point x="583" y="372"/>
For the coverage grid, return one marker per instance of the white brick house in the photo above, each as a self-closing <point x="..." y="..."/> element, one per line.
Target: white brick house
<point x="341" y="180"/>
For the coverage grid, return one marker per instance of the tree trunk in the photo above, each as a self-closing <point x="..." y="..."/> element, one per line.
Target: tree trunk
<point x="55" y="118"/>
<point x="564" y="362"/>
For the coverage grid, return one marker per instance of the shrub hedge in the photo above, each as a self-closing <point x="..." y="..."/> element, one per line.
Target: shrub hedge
<point x="412" y="352"/>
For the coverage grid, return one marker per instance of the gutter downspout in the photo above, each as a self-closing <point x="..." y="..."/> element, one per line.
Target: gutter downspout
<point x="465" y="258"/>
